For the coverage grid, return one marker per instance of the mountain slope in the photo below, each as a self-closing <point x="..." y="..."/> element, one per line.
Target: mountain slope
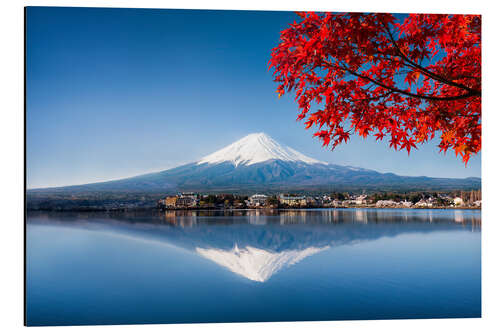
<point x="257" y="162"/>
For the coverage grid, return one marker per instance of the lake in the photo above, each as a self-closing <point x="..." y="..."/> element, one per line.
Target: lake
<point x="250" y="265"/>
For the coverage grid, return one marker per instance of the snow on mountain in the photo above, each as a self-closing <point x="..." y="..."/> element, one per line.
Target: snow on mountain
<point x="256" y="264"/>
<point x="256" y="148"/>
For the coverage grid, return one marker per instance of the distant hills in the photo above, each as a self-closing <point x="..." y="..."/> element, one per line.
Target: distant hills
<point x="259" y="163"/>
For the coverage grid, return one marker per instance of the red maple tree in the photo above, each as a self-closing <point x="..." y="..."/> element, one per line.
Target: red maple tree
<point x="410" y="78"/>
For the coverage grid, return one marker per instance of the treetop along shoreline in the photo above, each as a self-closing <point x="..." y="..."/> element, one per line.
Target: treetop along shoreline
<point x="198" y="201"/>
<point x="262" y="209"/>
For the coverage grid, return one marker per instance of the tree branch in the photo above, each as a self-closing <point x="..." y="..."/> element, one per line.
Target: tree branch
<point x="407" y="93"/>
<point x="424" y="70"/>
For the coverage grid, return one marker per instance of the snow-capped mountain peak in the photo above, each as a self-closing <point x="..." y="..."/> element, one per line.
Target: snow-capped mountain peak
<point x="256" y="264"/>
<point x="256" y="148"/>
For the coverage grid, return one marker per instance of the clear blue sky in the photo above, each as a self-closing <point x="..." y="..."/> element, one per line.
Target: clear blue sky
<point x="119" y="92"/>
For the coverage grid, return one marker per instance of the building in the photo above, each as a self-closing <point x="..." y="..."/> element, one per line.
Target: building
<point x="311" y="201"/>
<point x="292" y="200"/>
<point x="191" y="195"/>
<point x="406" y="204"/>
<point x="423" y="203"/>
<point x="360" y="200"/>
<point x="188" y="199"/>
<point x="170" y="201"/>
<point x="336" y="203"/>
<point x="458" y="201"/>
<point x="185" y="202"/>
<point x="180" y="200"/>
<point x="386" y="203"/>
<point x="326" y="199"/>
<point x="257" y="200"/>
<point x="160" y="203"/>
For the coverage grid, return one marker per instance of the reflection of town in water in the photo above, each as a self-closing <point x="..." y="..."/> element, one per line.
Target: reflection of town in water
<point x="256" y="244"/>
<point x="187" y="218"/>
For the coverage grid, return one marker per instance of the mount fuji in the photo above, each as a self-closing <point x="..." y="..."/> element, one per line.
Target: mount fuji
<point x="256" y="148"/>
<point x="259" y="163"/>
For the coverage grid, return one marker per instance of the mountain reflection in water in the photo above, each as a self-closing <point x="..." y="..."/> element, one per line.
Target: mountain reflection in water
<point x="258" y="244"/>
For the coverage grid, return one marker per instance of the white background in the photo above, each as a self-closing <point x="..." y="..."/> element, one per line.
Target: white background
<point x="12" y="165"/>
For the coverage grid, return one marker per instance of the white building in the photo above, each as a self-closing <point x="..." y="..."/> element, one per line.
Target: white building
<point x="326" y="199"/>
<point x="292" y="201"/>
<point x="406" y="204"/>
<point x="258" y="200"/>
<point x="187" y="199"/>
<point x="458" y="201"/>
<point x="386" y="203"/>
<point x="423" y="203"/>
<point x="360" y="200"/>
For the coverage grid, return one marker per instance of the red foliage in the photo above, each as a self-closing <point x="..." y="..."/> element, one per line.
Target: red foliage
<point x="410" y="78"/>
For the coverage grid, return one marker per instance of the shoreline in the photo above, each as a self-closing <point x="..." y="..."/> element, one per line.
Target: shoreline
<point x="180" y="209"/>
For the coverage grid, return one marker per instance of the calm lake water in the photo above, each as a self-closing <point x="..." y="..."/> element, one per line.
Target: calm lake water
<point x="202" y="266"/>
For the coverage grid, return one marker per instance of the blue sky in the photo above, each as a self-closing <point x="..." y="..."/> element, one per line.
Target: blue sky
<point x="113" y="93"/>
